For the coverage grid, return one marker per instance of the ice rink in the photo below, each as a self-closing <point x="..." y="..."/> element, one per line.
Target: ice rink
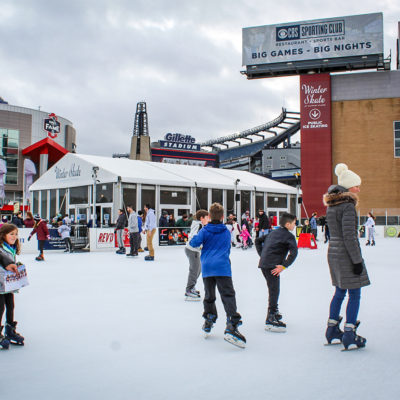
<point x="104" y="326"/>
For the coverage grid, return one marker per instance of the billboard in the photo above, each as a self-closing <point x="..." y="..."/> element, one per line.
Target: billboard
<point x="316" y="139"/>
<point x="351" y="36"/>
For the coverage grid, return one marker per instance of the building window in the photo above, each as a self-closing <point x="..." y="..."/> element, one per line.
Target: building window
<point x="259" y="201"/>
<point x="283" y="157"/>
<point x="129" y="195"/>
<point x="174" y="195"/>
<point x="277" y="200"/>
<point x="230" y="202"/>
<point x="148" y="196"/>
<point x="216" y="196"/>
<point x="79" y="195"/>
<point x="104" y="193"/>
<point x="201" y="198"/>
<point x="396" y="127"/>
<point x="283" y="166"/>
<point x="9" y="145"/>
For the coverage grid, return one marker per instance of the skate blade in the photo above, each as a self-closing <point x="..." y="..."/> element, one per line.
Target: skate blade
<point x="235" y="341"/>
<point x="207" y="335"/>
<point x="188" y="298"/>
<point x="353" y="348"/>
<point x="17" y="343"/>
<point x="275" y="329"/>
<point x="332" y="344"/>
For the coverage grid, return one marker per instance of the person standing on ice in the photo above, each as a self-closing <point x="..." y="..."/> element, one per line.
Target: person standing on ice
<point x="9" y="248"/>
<point x="277" y="252"/>
<point x="119" y="230"/>
<point x="314" y="226"/>
<point x="42" y="234"/>
<point x="133" y="230"/>
<point x="150" y="228"/>
<point x="216" y="269"/>
<point x="347" y="268"/>
<point x="370" y="225"/>
<point x="193" y="255"/>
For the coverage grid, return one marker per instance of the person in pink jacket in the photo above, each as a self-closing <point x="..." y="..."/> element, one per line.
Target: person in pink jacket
<point x="245" y="236"/>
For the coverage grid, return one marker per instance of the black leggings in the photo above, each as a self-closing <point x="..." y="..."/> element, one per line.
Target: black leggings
<point x="41" y="245"/>
<point x="7" y="301"/>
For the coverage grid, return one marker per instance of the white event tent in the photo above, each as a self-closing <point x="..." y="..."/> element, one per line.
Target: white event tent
<point x="70" y="185"/>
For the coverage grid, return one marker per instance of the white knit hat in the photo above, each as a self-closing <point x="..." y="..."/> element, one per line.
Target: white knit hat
<point x="346" y="178"/>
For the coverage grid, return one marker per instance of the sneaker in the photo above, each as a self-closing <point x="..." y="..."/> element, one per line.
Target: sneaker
<point x="140" y="250"/>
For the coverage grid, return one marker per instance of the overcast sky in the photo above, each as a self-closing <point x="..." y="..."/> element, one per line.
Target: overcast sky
<point x="92" y="61"/>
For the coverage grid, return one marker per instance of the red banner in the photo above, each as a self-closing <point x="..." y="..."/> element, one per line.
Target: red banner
<point x="316" y="140"/>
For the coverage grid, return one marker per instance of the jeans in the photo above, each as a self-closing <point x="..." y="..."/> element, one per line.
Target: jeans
<point x="120" y="239"/>
<point x="353" y="304"/>
<point x="261" y="233"/>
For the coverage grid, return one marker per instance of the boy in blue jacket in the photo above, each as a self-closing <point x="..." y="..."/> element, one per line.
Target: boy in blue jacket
<point x="216" y="269"/>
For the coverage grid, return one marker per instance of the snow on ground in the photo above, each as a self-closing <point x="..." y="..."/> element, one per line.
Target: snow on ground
<point x="104" y="326"/>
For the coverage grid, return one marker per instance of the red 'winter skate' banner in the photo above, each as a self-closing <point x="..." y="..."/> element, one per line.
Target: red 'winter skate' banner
<point x="316" y="139"/>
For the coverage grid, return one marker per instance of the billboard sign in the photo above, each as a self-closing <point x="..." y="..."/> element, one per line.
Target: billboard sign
<point x="179" y="141"/>
<point x="357" y="35"/>
<point x="52" y="126"/>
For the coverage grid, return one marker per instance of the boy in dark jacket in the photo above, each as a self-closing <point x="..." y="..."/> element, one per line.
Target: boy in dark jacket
<point x="277" y="251"/>
<point x="216" y="269"/>
<point x="122" y="222"/>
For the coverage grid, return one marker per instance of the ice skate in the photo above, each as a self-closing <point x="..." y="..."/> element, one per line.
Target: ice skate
<point x="368" y="243"/>
<point x="333" y="332"/>
<point x="233" y="336"/>
<point x="273" y="324"/>
<point x="208" y="324"/>
<point x="192" y="295"/>
<point x="39" y="257"/>
<point x="350" y="337"/>
<point x="121" y="250"/>
<point x="4" y="342"/>
<point x="12" y="335"/>
<point x="373" y="243"/>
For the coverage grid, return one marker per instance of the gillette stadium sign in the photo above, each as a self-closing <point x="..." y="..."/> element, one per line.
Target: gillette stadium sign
<point x="353" y="36"/>
<point x="179" y="142"/>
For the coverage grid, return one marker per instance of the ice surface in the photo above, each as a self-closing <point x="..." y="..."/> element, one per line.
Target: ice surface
<point x="105" y="326"/>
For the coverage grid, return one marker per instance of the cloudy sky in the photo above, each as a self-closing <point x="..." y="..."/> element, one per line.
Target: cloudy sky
<point x="92" y="61"/>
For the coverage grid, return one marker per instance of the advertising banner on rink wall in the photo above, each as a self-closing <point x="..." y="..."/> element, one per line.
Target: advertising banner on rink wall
<point x="357" y="35"/>
<point x="316" y="139"/>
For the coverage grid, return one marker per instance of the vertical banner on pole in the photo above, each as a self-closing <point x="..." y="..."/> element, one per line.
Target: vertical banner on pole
<point x="316" y="139"/>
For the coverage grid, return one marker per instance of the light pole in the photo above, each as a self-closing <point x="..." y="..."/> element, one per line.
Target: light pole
<point x="94" y="176"/>
<point x="236" y="196"/>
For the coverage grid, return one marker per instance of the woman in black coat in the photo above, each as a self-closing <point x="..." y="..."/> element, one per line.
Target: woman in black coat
<point x="347" y="268"/>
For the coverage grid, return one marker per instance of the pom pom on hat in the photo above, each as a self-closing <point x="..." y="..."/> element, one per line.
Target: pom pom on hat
<point x="346" y="178"/>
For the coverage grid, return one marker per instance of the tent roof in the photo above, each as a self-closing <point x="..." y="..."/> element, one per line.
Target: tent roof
<point x="76" y="170"/>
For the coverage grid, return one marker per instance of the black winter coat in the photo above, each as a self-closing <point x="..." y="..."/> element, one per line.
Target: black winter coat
<point x="122" y="221"/>
<point x="344" y="248"/>
<point x="263" y="222"/>
<point x="277" y="248"/>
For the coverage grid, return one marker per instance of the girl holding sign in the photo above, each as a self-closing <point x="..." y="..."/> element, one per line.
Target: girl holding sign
<point x="9" y="248"/>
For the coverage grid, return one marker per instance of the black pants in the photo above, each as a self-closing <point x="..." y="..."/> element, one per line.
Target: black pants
<point x="273" y="283"/>
<point x="41" y="245"/>
<point x="134" y="238"/>
<point x="7" y="301"/>
<point x="68" y="243"/>
<point x="227" y="293"/>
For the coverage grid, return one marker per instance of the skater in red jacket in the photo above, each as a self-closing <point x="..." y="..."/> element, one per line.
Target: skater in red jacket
<point x="42" y="232"/>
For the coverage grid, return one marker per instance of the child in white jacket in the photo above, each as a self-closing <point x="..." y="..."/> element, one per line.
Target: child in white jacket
<point x="65" y="232"/>
<point x="193" y="254"/>
<point x="370" y="225"/>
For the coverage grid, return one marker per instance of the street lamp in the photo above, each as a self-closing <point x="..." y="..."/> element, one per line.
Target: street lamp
<point x="95" y="180"/>
<point x="236" y="196"/>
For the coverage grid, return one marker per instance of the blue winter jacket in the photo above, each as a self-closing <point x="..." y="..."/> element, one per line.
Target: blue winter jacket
<point x="216" y="241"/>
<point x="140" y="223"/>
<point x="313" y="223"/>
